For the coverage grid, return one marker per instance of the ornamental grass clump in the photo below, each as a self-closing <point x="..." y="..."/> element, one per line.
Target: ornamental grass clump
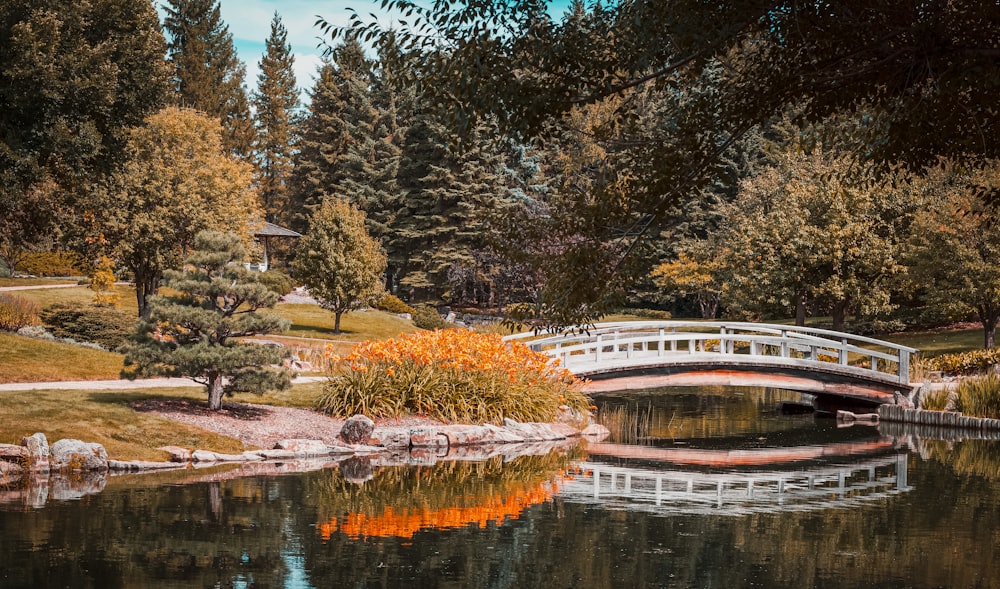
<point x="453" y="375"/>
<point x="979" y="396"/>
<point x="936" y="400"/>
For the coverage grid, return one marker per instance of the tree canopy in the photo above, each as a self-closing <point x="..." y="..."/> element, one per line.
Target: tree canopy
<point x="338" y="262"/>
<point x="690" y="80"/>
<point x="207" y="74"/>
<point x="276" y="104"/>
<point x="955" y="244"/>
<point x="177" y="182"/>
<point x="74" y="77"/>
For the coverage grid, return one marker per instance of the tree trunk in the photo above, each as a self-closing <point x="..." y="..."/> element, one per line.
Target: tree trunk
<point x="145" y="287"/>
<point x="839" y="315"/>
<point x="989" y="321"/>
<point x="215" y="391"/>
<point x="709" y="306"/>
<point x="336" y="321"/>
<point x="800" y="310"/>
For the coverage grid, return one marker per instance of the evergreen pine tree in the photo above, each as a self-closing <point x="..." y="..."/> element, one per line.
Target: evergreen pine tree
<point x="276" y="102"/>
<point x="208" y="75"/>
<point x="196" y="332"/>
<point x="444" y="198"/>
<point x="319" y="164"/>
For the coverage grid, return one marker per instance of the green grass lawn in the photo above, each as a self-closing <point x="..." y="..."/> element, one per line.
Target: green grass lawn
<point x="313" y="321"/>
<point x="80" y="296"/>
<point x="29" y="360"/>
<point x="935" y="343"/>
<point x="105" y="417"/>
<point x="25" y="359"/>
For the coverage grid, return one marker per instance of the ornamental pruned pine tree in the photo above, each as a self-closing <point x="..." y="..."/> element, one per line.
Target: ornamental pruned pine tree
<point x="196" y="332"/>
<point x="338" y="261"/>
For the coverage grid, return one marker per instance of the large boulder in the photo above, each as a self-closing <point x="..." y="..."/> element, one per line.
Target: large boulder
<point x="73" y="455"/>
<point x="13" y="453"/>
<point x="357" y="430"/>
<point x="37" y="448"/>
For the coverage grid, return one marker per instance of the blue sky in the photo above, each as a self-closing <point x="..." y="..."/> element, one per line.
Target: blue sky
<point x="249" y="22"/>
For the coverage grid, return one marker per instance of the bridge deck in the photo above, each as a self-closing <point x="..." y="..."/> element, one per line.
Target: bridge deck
<point x="876" y="369"/>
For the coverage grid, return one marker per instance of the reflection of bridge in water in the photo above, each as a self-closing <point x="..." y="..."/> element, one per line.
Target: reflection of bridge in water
<point x="851" y="481"/>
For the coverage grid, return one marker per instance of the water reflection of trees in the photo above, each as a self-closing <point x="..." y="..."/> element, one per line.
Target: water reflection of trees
<point x="980" y="458"/>
<point x="683" y="413"/>
<point x="200" y="535"/>
<point x="951" y="542"/>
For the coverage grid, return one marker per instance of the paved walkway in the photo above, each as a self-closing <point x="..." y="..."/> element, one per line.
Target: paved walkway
<point x="40" y="286"/>
<point x="146" y="383"/>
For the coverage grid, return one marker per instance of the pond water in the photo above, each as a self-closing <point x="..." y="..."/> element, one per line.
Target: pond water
<point x="714" y="489"/>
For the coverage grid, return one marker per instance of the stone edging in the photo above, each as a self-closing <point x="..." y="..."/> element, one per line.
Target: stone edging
<point x="936" y="418"/>
<point x="35" y="456"/>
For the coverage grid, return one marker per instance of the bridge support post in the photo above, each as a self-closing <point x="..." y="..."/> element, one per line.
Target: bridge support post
<point x="904" y="367"/>
<point x="901" y="483"/>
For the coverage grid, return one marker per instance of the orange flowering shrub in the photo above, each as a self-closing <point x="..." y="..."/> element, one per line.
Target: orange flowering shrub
<point x="453" y="375"/>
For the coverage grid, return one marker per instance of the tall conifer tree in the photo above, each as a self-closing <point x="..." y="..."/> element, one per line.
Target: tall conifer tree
<point x="208" y="75"/>
<point x="325" y="131"/>
<point x="276" y="102"/>
<point x="445" y="196"/>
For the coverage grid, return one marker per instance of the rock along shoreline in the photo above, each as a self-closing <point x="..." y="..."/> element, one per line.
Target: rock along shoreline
<point x="35" y="457"/>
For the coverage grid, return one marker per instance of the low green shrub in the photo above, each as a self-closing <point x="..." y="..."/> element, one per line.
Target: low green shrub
<point x="453" y="375"/>
<point x="964" y="363"/>
<point x="655" y="314"/>
<point x="276" y="281"/>
<point x="106" y="326"/>
<point x="55" y="263"/>
<point x="393" y="304"/>
<point x="979" y="396"/>
<point x="427" y="317"/>
<point x="17" y="312"/>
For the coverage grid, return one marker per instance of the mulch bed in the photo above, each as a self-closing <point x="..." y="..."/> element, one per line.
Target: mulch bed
<point x="240" y="411"/>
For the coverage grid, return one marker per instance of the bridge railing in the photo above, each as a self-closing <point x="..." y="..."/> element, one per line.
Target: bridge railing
<point x="607" y="343"/>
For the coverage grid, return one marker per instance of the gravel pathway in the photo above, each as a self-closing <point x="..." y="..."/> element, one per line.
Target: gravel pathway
<point x="258" y="426"/>
<point x="261" y="426"/>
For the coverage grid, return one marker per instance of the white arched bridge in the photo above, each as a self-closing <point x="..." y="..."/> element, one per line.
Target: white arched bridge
<point x="836" y="367"/>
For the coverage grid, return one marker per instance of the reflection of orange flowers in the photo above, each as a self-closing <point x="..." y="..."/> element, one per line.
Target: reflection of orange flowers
<point x="405" y="523"/>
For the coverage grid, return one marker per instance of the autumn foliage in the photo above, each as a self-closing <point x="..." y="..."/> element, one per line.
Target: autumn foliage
<point x="453" y="375"/>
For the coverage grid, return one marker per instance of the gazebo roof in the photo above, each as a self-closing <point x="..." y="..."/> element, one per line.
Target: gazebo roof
<point x="272" y="230"/>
